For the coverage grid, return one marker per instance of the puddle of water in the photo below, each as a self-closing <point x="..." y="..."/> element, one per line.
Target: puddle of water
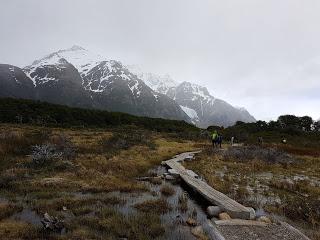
<point x="174" y="228"/>
<point x="29" y="216"/>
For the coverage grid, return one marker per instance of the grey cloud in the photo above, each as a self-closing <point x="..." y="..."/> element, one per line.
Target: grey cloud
<point x="261" y="54"/>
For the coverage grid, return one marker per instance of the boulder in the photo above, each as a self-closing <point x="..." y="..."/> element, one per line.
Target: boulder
<point x="214" y="211"/>
<point x="264" y="219"/>
<point x="224" y="216"/>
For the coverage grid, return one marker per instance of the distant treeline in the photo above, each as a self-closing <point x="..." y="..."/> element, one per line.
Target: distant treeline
<point x="47" y="114"/>
<point x="297" y="130"/>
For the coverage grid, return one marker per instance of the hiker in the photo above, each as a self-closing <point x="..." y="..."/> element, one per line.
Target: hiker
<point x="232" y="141"/>
<point x="219" y="140"/>
<point x="260" y="140"/>
<point x="214" y="138"/>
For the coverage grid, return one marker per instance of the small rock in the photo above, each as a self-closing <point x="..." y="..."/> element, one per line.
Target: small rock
<point x="169" y="177"/>
<point x="224" y="216"/>
<point x="252" y="213"/>
<point x="213" y="211"/>
<point x="191" y="222"/>
<point x="198" y="232"/>
<point x="264" y="219"/>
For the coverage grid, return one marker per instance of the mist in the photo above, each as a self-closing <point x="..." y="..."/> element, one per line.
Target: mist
<point x="263" y="55"/>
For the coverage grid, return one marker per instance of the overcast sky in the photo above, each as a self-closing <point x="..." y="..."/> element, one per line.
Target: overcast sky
<point x="263" y="55"/>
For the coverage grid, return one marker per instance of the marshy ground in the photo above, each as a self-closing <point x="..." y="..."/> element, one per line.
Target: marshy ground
<point x="86" y="179"/>
<point x="282" y="180"/>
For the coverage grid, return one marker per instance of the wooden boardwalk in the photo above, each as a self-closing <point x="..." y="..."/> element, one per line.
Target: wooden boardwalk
<point x="233" y="208"/>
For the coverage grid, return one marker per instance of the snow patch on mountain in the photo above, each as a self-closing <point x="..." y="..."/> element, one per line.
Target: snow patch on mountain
<point x="198" y="92"/>
<point x="191" y="113"/>
<point x="97" y="73"/>
<point x="36" y="71"/>
<point x="158" y="83"/>
<point x="13" y="74"/>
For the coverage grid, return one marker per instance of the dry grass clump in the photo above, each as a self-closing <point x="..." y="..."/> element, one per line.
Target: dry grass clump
<point x="183" y="203"/>
<point x="297" y="208"/>
<point x="10" y="229"/>
<point x="112" y="225"/>
<point x="167" y="190"/>
<point x="17" y="142"/>
<point x="6" y="210"/>
<point x="159" y="206"/>
<point x="249" y="153"/>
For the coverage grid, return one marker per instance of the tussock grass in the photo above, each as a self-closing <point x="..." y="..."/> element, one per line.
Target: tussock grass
<point x="166" y="190"/>
<point x="183" y="203"/>
<point x="10" y="229"/>
<point x="6" y="210"/>
<point x="159" y="206"/>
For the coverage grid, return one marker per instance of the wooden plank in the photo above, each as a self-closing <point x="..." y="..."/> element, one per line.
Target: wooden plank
<point x="213" y="232"/>
<point x="296" y="231"/>
<point x="233" y="208"/>
<point x="240" y="222"/>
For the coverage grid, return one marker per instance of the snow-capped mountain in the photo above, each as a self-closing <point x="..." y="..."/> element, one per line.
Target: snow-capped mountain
<point x="159" y="83"/>
<point x="76" y="77"/>
<point x="196" y="101"/>
<point x="79" y="78"/>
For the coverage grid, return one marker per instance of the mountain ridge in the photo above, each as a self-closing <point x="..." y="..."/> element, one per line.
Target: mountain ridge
<point x="76" y="77"/>
<point x="197" y="102"/>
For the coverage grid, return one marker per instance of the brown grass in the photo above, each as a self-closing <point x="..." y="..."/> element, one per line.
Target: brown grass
<point x="95" y="170"/>
<point x="166" y="190"/>
<point x="159" y="206"/>
<point x="299" y="199"/>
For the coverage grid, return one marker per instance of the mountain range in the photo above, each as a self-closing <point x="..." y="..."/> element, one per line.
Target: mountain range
<point x="78" y="78"/>
<point x="195" y="100"/>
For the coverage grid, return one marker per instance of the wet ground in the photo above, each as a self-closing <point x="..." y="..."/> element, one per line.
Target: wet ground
<point x="174" y="221"/>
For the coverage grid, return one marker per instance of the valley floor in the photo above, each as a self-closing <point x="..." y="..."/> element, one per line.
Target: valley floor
<point x="86" y="182"/>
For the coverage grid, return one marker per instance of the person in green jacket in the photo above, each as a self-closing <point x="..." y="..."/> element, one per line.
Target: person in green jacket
<point x="214" y="138"/>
